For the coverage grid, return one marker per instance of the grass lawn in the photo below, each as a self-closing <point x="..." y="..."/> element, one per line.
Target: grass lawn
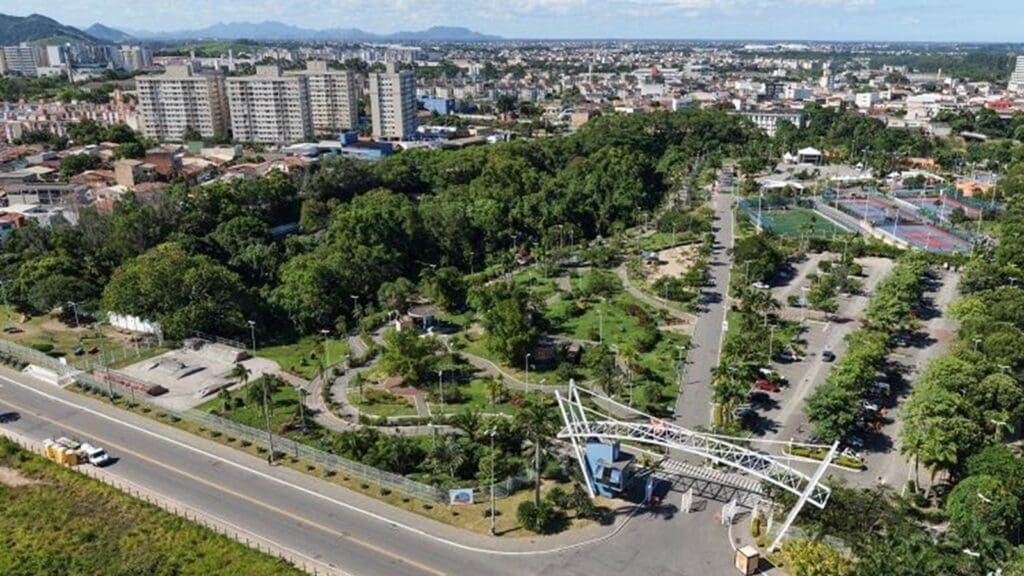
<point x="64" y="523"/>
<point x="380" y="402"/>
<point x="303" y="357"/>
<point x="47" y="333"/>
<point x="606" y="321"/>
<point x="663" y="240"/>
<point x="538" y="285"/>
<point x="476" y="399"/>
<point x="795" y="222"/>
<point x="285" y="404"/>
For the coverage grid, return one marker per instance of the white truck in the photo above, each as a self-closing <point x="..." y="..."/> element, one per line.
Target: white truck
<point x="71" y="452"/>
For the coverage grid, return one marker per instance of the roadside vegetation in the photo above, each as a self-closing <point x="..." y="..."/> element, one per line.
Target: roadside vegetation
<point x="56" y="521"/>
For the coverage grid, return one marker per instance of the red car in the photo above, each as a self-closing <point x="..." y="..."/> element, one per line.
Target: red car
<point x="767" y="386"/>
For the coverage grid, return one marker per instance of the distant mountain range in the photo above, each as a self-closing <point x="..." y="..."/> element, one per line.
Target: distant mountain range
<point x="35" y="28"/>
<point x="279" y="31"/>
<point x="108" y="34"/>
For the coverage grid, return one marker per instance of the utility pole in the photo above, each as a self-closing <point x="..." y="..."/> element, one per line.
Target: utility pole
<point x="440" y="387"/>
<point x="492" y="433"/>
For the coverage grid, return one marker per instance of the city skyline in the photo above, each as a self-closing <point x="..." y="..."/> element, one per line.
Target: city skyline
<point x="812" y="20"/>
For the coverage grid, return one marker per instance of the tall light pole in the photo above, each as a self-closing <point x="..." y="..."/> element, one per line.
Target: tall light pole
<point x="440" y="387"/>
<point x="492" y="433"/>
<point x="252" y="333"/>
<point x="355" y="308"/>
<point x="527" y="363"/>
<point x="7" y="309"/>
<point x="327" y="353"/>
<point x="771" y="341"/>
<point x="74" y="306"/>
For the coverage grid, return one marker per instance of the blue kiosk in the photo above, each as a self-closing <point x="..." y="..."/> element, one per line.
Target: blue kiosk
<point x="610" y="469"/>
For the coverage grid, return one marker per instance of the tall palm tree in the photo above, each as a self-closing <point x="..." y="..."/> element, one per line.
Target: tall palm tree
<point x="240" y="374"/>
<point x="449" y="455"/>
<point x="224" y="395"/>
<point x="469" y="422"/>
<point x="496" y="389"/>
<point x="261" y="392"/>
<point x="538" y="423"/>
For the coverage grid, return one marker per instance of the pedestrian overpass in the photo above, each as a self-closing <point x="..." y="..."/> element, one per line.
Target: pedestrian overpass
<point x="590" y="420"/>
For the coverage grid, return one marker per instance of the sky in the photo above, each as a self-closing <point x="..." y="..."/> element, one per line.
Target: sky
<point x="905" y="20"/>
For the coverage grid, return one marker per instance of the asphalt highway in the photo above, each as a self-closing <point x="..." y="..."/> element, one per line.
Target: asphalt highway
<point x="325" y="523"/>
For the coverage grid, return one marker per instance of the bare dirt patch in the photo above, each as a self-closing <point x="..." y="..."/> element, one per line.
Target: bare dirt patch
<point x="674" y="262"/>
<point x="14" y="479"/>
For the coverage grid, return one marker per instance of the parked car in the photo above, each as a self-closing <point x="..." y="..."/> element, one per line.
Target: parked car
<point x="744" y="411"/>
<point x="881" y="389"/>
<point x="869" y="406"/>
<point x="855" y="442"/>
<point x="758" y="397"/>
<point x="828" y="355"/>
<point x="766" y="385"/>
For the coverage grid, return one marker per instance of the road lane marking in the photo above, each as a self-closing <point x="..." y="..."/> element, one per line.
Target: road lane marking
<point x="124" y="449"/>
<point x="313" y="493"/>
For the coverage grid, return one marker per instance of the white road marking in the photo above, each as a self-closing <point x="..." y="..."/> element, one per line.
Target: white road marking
<point x="314" y="494"/>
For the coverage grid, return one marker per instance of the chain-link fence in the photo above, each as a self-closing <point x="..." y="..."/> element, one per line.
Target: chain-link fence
<point x="36" y="357"/>
<point x="282" y="445"/>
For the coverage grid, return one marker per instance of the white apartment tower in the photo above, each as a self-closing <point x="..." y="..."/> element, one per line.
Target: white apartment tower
<point x="393" y="104"/>
<point x="181" y="100"/>
<point x="23" y="59"/>
<point x="1017" y="77"/>
<point x="333" y="98"/>
<point x="270" y="108"/>
<point x="135" y="57"/>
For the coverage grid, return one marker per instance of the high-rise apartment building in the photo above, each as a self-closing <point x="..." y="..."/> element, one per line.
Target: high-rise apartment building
<point x="23" y="59"/>
<point x="333" y="98"/>
<point x="393" y="104"/>
<point x="270" y="108"/>
<point x="1017" y="77"/>
<point x="181" y="101"/>
<point x="134" y="58"/>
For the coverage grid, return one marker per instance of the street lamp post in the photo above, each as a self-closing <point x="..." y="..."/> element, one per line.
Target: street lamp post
<point x="527" y="372"/>
<point x="771" y="342"/>
<point x="492" y="433"/>
<point x="74" y="306"/>
<point x="327" y="353"/>
<point x="440" y="387"/>
<point x="252" y="333"/>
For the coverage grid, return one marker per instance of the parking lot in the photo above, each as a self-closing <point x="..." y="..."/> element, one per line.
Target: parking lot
<point x="782" y="417"/>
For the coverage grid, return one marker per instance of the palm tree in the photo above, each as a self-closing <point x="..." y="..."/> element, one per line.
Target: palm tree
<point x="468" y="421"/>
<point x="224" y="395"/>
<point x="448" y="453"/>
<point x="537" y="421"/>
<point x="240" y="374"/>
<point x="261" y="392"/>
<point x="495" y="389"/>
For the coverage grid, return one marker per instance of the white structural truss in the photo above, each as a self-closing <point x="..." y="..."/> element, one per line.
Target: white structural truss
<point x="583" y="423"/>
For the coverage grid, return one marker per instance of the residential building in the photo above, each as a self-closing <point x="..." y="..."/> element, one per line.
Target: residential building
<point x="333" y="98"/>
<point x="269" y="108"/>
<point x="182" y="100"/>
<point x="1017" y="77"/>
<point x="865" y="100"/>
<point x="135" y="58"/>
<point x="393" y="104"/>
<point x="769" y="121"/>
<point x="438" y="105"/>
<point x="23" y="59"/>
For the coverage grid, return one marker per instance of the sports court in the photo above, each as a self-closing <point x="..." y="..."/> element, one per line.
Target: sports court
<point x="797" y="222"/>
<point x="943" y="206"/>
<point x="930" y="238"/>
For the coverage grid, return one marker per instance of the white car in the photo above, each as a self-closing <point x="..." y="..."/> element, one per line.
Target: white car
<point x="95" y="455"/>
